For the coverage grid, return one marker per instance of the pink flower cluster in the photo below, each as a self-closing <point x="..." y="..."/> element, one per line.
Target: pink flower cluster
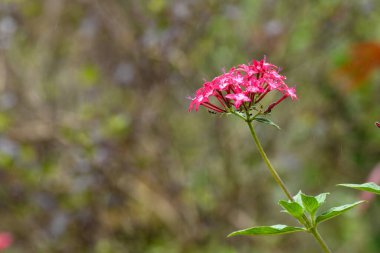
<point x="243" y="86"/>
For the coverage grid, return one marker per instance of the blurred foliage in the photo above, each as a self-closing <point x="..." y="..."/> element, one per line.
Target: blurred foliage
<point x="98" y="152"/>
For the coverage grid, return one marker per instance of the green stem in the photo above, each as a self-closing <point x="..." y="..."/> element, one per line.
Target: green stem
<point x="268" y="163"/>
<point x="277" y="178"/>
<point x="320" y="240"/>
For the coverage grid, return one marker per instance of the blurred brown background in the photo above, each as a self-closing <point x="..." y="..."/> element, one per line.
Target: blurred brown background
<point x="99" y="154"/>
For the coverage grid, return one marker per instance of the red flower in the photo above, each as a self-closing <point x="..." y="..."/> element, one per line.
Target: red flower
<point x="243" y="86"/>
<point x="377" y="124"/>
<point x="5" y="240"/>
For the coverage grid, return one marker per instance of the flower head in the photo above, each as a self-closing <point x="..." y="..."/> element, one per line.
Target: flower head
<point x="243" y="87"/>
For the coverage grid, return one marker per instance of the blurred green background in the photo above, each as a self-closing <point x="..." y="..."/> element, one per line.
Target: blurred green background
<point x="99" y="154"/>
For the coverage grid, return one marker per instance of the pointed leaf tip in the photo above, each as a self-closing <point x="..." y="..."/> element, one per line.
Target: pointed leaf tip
<point x="297" y="198"/>
<point x="267" y="121"/>
<point x="335" y="211"/>
<point x="369" y="187"/>
<point x="321" y="198"/>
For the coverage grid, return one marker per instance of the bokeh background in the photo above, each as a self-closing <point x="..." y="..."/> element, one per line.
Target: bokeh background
<point x="99" y="154"/>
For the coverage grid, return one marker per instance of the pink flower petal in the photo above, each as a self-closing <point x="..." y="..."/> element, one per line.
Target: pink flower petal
<point x="239" y="99"/>
<point x="292" y="93"/>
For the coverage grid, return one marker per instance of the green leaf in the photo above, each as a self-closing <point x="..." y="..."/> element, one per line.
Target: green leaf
<point x="322" y="197"/>
<point x="369" y="187"/>
<point x="297" y="198"/>
<point x="266" y="121"/>
<point x="293" y="208"/>
<point x="268" y="230"/>
<point x="310" y="203"/>
<point x="335" y="211"/>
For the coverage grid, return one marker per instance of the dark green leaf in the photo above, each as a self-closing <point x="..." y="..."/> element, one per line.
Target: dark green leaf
<point x="266" y="121"/>
<point x="310" y="203"/>
<point x="293" y="208"/>
<point x="267" y="230"/>
<point x="369" y="187"/>
<point x="335" y="211"/>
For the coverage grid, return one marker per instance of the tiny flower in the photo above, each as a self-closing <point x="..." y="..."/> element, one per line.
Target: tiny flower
<point x="377" y="124"/>
<point x="239" y="99"/>
<point x="292" y="93"/>
<point x="254" y="89"/>
<point x="196" y="101"/>
<point x="222" y="82"/>
<point x="248" y="70"/>
<point x="238" y="79"/>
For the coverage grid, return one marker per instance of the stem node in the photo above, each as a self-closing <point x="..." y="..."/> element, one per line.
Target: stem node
<point x="310" y="227"/>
